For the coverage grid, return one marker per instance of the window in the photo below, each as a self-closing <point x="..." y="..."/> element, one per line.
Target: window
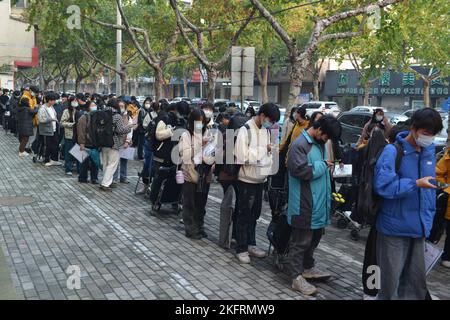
<point x="330" y="105"/>
<point x="354" y="120"/>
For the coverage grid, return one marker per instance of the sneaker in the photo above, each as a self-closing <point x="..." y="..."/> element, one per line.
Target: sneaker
<point x="445" y="263"/>
<point x="113" y="185"/>
<point x="194" y="236"/>
<point x="69" y="174"/>
<point x="143" y="190"/>
<point x="243" y="258"/>
<point x="94" y="182"/>
<point x="103" y="188"/>
<point x="23" y="154"/>
<point x="303" y="286"/>
<point x="203" y="234"/>
<point x="83" y="181"/>
<point x="256" y="252"/>
<point x="125" y="181"/>
<point x="315" y="274"/>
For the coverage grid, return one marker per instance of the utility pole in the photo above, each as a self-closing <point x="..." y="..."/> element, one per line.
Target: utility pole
<point x="119" y="52"/>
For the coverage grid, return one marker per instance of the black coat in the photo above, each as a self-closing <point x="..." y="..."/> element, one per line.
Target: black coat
<point x="25" y="120"/>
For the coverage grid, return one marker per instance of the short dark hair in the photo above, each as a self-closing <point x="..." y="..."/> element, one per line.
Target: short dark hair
<point x="270" y="110"/>
<point x="51" y="96"/>
<point x="313" y="117"/>
<point x="427" y="119"/>
<point x="207" y="105"/>
<point x="330" y="126"/>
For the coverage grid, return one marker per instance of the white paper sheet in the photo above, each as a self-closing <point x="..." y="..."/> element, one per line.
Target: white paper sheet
<point x="127" y="153"/>
<point x="345" y="172"/>
<point x="432" y="256"/>
<point x="78" y="154"/>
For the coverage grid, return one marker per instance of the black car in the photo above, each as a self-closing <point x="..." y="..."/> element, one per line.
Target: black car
<point x="352" y="123"/>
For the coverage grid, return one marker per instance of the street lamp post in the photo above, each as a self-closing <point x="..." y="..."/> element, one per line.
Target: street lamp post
<point x="119" y="52"/>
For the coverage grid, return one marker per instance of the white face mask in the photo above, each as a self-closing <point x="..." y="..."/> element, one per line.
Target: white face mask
<point x="379" y="118"/>
<point x="198" y="126"/>
<point x="74" y="104"/>
<point x="147" y="106"/>
<point x="33" y="94"/>
<point x="424" y="141"/>
<point x="122" y="110"/>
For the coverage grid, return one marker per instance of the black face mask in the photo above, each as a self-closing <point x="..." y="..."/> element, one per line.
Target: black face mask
<point x="320" y="142"/>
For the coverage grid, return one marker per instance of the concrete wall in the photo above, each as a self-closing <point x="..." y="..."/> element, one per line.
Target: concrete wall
<point x="15" y="41"/>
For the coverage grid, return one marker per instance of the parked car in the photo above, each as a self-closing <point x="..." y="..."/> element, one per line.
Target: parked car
<point x="352" y="123"/>
<point x="326" y="107"/>
<point x="369" y="109"/>
<point x="395" y="118"/>
<point x="255" y="104"/>
<point x="179" y="99"/>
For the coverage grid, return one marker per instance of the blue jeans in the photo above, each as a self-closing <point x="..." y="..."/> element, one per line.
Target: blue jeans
<point x="122" y="168"/>
<point x="147" y="172"/>
<point x="68" y="158"/>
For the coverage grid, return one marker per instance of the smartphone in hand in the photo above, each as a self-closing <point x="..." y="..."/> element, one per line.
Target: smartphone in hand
<point x="439" y="185"/>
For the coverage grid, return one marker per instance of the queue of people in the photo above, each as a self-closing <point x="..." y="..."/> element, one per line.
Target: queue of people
<point x="190" y="146"/>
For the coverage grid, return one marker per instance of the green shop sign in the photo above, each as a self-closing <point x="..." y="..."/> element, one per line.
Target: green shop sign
<point x="392" y="91"/>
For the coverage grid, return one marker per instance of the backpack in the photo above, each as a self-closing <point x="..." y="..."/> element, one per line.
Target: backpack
<point x="368" y="202"/>
<point x="101" y="129"/>
<point x="233" y="169"/>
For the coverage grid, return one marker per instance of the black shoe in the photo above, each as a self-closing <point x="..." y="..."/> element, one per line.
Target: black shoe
<point x="83" y="181"/>
<point x="113" y="185"/>
<point x="125" y="181"/>
<point x="194" y="237"/>
<point x="94" y="182"/>
<point x="28" y="150"/>
<point x="103" y="188"/>
<point x="203" y="234"/>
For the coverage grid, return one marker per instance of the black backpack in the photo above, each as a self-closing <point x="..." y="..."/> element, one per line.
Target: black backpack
<point x="439" y="221"/>
<point x="101" y="129"/>
<point x="368" y="202"/>
<point x="237" y="122"/>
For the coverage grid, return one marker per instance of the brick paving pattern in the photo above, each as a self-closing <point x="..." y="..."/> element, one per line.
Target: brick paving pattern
<point x="125" y="253"/>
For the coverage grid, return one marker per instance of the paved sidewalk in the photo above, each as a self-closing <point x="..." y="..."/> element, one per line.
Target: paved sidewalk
<point x="49" y="222"/>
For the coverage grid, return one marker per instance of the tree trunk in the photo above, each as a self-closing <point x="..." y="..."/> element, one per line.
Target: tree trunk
<point x="123" y="86"/>
<point x="426" y="93"/>
<point x="77" y="84"/>
<point x="211" y="90"/>
<point x="264" y="78"/>
<point x="316" y="90"/>
<point x="366" y="93"/>
<point x="185" y="84"/>
<point x="159" y="78"/>
<point x="64" y="85"/>
<point x="297" y="76"/>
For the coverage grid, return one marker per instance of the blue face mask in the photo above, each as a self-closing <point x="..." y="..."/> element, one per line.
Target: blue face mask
<point x="93" y="109"/>
<point x="267" y="125"/>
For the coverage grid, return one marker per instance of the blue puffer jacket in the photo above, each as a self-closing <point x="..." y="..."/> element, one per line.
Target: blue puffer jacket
<point x="406" y="210"/>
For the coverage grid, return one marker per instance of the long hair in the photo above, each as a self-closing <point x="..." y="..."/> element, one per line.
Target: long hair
<point x="195" y="115"/>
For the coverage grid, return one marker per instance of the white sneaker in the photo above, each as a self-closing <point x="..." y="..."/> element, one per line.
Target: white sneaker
<point x="315" y="274"/>
<point x="445" y="263"/>
<point x="256" y="252"/>
<point x="69" y="174"/>
<point x="303" y="286"/>
<point x="23" y="154"/>
<point x="243" y="258"/>
<point x="367" y="297"/>
<point x="53" y="164"/>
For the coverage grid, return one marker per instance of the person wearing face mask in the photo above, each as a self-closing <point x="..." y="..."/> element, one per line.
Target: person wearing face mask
<point x="30" y="92"/>
<point x="309" y="205"/>
<point x="381" y="121"/>
<point x="405" y="216"/>
<point x="194" y="196"/>
<point x="110" y="156"/>
<point x="208" y="109"/>
<point x="144" y="112"/>
<point x="253" y="152"/>
<point x="301" y="123"/>
<point x="83" y="138"/>
<point x="121" y="174"/>
<point x="48" y="129"/>
<point x="68" y="123"/>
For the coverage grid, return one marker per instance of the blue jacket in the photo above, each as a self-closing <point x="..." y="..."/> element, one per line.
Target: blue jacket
<point x="406" y="210"/>
<point x="309" y="184"/>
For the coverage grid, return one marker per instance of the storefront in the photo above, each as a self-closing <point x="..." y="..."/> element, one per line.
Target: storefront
<point x="393" y="90"/>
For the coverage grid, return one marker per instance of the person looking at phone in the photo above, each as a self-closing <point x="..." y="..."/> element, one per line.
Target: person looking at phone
<point x="407" y="209"/>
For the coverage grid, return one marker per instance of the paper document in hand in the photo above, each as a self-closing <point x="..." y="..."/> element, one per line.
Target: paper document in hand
<point x="127" y="153"/>
<point x="78" y="154"/>
<point x="432" y="256"/>
<point x="344" y="172"/>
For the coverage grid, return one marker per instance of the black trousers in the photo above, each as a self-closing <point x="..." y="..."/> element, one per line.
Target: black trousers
<point x="51" y="148"/>
<point x="249" y="210"/>
<point x="302" y="245"/>
<point x="88" y="165"/>
<point x="446" y="254"/>
<point x="194" y="208"/>
<point x="140" y="146"/>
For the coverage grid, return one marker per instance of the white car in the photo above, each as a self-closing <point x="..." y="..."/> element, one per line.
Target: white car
<point x="369" y="109"/>
<point x="255" y="104"/>
<point x="326" y="107"/>
<point x="179" y="99"/>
